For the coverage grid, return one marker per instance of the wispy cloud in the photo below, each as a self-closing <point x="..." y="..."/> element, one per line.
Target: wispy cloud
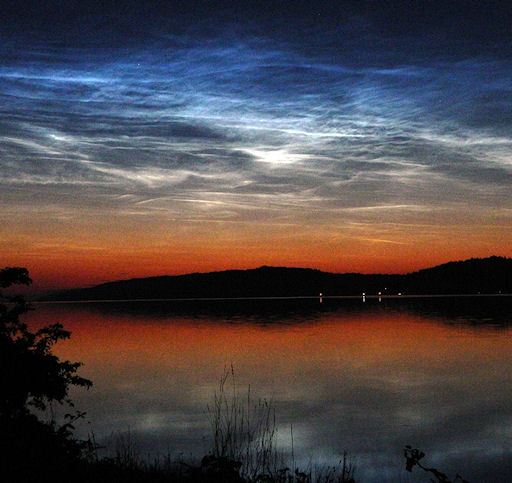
<point x="257" y="124"/>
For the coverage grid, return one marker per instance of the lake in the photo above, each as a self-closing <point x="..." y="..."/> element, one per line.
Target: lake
<point x="343" y="375"/>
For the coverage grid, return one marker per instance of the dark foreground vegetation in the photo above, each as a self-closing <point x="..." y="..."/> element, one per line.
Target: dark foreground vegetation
<point x="491" y="275"/>
<point x="33" y="450"/>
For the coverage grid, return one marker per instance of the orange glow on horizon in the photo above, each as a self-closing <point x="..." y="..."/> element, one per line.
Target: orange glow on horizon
<point x="60" y="269"/>
<point x="90" y="248"/>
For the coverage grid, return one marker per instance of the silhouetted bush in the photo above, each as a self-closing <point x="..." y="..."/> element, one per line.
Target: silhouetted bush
<point x="32" y="377"/>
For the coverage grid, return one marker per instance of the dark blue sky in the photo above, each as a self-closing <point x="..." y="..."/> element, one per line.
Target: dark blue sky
<point x="368" y="132"/>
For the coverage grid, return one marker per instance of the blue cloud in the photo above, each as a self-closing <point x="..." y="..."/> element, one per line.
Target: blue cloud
<point x="337" y="113"/>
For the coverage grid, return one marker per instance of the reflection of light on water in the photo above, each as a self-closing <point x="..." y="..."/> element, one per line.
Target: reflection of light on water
<point x="356" y="379"/>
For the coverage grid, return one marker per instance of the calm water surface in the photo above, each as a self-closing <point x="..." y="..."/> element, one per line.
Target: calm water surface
<point x="365" y="378"/>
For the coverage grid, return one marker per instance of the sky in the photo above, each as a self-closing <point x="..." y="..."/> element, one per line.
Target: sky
<point x="150" y="138"/>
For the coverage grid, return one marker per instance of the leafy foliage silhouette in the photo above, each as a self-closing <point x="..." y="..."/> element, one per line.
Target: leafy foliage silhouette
<point x="32" y="378"/>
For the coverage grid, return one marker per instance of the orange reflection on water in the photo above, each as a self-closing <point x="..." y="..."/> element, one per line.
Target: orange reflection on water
<point x="403" y="342"/>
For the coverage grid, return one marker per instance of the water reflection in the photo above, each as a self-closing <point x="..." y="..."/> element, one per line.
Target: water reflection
<point x="363" y="378"/>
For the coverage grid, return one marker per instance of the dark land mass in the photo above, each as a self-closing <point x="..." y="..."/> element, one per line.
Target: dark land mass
<point x="491" y="275"/>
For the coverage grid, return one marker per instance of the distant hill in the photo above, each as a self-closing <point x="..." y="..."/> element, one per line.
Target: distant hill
<point x="477" y="275"/>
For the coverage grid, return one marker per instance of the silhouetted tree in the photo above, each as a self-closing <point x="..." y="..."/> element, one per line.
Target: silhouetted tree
<point x="31" y="376"/>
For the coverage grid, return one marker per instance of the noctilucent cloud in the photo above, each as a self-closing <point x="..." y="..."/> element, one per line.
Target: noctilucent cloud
<point x="145" y="138"/>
